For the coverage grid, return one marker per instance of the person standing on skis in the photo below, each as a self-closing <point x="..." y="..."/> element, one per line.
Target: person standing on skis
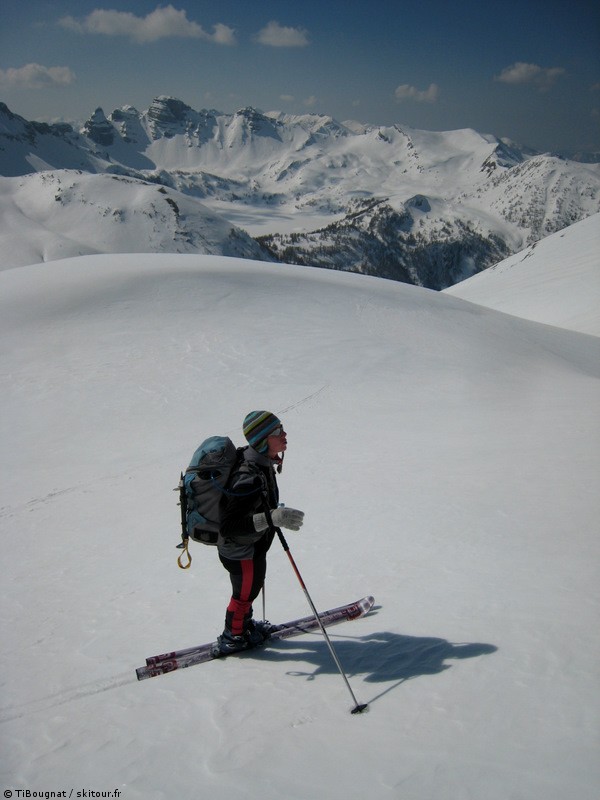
<point x="246" y="534"/>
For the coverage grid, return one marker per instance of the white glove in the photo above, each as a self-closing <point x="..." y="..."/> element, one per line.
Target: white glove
<point x="282" y="517"/>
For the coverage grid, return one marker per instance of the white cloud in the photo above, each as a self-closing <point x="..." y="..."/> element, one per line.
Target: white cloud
<point x="35" y="76"/>
<point x="276" y="35"/>
<point x="163" y="22"/>
<point x="309" y="102"/>
<point x="223" y="34"/>
<point x="406" y="92"/>
<point x="521" y="72"/>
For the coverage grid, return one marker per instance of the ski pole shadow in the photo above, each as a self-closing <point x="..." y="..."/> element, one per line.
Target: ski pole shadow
<point x="379" y="657"/>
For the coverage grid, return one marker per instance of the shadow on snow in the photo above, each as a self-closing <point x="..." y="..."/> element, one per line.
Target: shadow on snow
<point x="380" y="657"/>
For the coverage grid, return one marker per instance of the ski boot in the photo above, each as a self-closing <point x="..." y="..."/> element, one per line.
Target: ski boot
<point x="227" y="643"/>
<point x="258" y="631"/>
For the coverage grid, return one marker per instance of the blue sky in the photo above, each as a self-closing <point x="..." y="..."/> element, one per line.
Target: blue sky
<point x="529" y="71"/>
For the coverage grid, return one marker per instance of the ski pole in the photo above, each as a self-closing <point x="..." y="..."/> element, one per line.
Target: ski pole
<point x="358" y="707"/>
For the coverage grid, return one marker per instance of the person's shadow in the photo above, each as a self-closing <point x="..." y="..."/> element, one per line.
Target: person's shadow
<point x="380" y="657"/>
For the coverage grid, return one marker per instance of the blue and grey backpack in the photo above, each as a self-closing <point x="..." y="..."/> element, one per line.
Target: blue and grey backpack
<point x="203" y="489"/>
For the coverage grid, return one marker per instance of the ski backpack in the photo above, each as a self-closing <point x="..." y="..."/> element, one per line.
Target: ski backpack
<point x="203" y="490"/>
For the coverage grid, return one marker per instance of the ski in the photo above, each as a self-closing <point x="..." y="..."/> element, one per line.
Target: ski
<point x="179" y="659"/>
<point x="340" y="614"/>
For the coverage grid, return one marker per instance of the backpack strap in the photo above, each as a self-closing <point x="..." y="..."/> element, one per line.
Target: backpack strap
<point x="242" y="466"/>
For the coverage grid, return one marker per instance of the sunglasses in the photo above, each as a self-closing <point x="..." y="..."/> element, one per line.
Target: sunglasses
<point x="277" y="432"/>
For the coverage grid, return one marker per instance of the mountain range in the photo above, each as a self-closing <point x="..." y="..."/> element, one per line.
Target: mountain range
<point x="427" y="208"/>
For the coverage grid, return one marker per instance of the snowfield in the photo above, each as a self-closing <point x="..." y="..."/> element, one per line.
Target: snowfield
<point x="556" y="280"/>
<point x="446" y="456"/>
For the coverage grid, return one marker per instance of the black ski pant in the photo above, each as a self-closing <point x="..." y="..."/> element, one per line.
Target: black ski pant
<point x="247" y="579"/>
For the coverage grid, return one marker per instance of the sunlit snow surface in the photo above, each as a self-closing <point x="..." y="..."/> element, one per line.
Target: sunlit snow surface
<point x="556" y="280"/>
<point x="447" y="459"/>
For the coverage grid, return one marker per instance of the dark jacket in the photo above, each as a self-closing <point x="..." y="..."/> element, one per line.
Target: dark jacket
<point x="252" y="481"/>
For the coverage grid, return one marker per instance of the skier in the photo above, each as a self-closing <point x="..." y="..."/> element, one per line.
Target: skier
<point x="245" y="534"/>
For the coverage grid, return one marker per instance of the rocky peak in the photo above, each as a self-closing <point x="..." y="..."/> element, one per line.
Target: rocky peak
<point x="127" y="121"/>
<point x="166" y="114"/>
<point x="249" y="122"/>
<point x="503" y="156"/>
<point x="14" y="126"/>
<point x="98" y="129"/>
<point x="124" y="114"/>
<point x="5" y="111"/>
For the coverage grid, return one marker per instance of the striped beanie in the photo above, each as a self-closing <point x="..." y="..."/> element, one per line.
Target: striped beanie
<point x="258" y="425"/>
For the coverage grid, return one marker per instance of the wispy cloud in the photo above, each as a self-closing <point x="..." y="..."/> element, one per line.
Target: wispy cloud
<point x="276" y="35"/>
<point x="406" y="92"/>
<point x="520" y="72"/>
<point x="162" y="23"/>
<point x="35" y="76"/>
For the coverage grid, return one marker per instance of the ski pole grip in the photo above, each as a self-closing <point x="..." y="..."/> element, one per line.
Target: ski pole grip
<point x="284" y="544"/>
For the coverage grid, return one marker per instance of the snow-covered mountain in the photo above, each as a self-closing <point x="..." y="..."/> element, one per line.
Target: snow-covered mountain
<point x="555" y="281"/>
<point x="62" y="213"/>
<point x="446" y="456"/>
<point x="430" y="208"/>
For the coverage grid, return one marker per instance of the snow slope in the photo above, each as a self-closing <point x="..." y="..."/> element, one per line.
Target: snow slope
<point x="556" y="280"/>
<point x="59" y="214"/>
<point x="446" y="456"/>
